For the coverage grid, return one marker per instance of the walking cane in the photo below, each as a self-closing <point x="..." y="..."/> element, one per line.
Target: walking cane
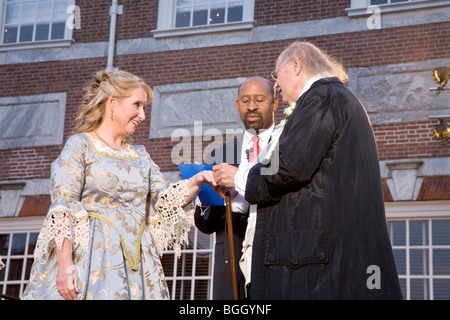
<point x="231" y="245"/>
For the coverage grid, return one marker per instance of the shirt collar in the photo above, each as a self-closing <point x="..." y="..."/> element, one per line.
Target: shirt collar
<point x="264" y="135"/>
<point x="315" y="78"/>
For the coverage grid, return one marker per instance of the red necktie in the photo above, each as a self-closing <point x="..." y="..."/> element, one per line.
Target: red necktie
<point x="254" y="151"/>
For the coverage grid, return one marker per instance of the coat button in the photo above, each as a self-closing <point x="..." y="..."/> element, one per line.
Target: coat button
<point x="271" y="257"/>
<point x="322" y="256"/>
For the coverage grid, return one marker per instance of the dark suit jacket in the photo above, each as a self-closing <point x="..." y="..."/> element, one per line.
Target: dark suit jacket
<point x="215" y="222"/>
<point x="321" y="226"/>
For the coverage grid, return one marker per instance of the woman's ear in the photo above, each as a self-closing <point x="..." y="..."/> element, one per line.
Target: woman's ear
<point x="111" y="104"/>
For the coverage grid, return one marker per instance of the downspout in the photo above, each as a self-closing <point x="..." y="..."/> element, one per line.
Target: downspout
<point x="114" y="10"/>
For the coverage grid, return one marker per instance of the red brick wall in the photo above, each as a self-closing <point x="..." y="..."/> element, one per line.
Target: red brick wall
<point x="269" y="12"/>
<point x="369" y="48"/>
<point x="140" y="17"/>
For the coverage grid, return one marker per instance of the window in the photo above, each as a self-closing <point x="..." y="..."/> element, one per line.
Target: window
<point x="376" y="2"/>
<point x="359" y="7"/>
<point x="204" y="12"/>
<point x="186" y="17"/>
<point x="17" y="241"/>
<point x="190" y="276"/>
<point x="421" y="246"/>
<point x="26" y="21"/>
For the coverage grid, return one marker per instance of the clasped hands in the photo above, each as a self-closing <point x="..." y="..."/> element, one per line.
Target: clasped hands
<point x="221" y="179"/>
<point x="224" y="178"/>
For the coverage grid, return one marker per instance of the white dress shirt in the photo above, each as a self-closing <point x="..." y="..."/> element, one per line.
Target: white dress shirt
<point x="238" y="203"/>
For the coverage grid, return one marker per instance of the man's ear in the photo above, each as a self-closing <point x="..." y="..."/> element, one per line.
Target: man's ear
<point x="275" y="104"/>
<point x="237" y="107"/>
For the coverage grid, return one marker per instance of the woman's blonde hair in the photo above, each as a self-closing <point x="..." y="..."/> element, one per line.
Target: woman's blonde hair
<point x="313" y="59"/>
<point x="102" y="85"/>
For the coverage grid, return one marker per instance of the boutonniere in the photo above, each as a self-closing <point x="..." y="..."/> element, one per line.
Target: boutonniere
<point x="288" y="110"/>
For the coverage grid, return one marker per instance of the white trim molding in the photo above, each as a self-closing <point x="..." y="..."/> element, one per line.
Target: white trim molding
<point x="359" y="7"/>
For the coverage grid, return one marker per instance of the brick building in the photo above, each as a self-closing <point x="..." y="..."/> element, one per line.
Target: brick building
<point x="194" y="54"/>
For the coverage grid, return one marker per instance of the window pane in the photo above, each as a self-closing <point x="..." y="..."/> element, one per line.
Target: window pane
<point x="418" y="261"/>
<point x="44" y="10"/>
<point x="184" y="267"/>
<point x="441" y="289"/>
<point x="397" y="232"/>
<point x="59" y="10"/>
<point x="235" y="11"/>
<point x="418" y="232"/>
<point x="167" y="261"/>
<point x="4" y="244"/>
<point x="29" y="265"/>
<point x="26" y="33"/>
<point x="202" y="264"/>
<point x="18" y="243"/>
<point x="400" y="260"/>
<point x="12" y="13"/>
<point x="183" y="290"/>
<point x="441" y="232"/>
<point x="13" y="290"/>
<point x="420" y="289"/>
<point x="10" y="34"/>
<point x="58" y="30"/>
<point x="200" y="16"/>
<point x="183" y="18"/>
<point x="15" y="269"/>
<point x="32" y="242"/>
<point x="378" y="2"/>
<point x="42" y="32"/>
<point x="394" y="1"/>
<point x="2" y="274"/>
<point x="441" y="262"/>
<point x="201" y="290"/>
<point x="217" y="15"/>
<point x="403" y="287"/>
<point x="28" y="12"/>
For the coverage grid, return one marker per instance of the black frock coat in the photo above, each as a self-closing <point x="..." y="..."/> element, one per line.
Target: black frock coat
<point x="321" y="229"/>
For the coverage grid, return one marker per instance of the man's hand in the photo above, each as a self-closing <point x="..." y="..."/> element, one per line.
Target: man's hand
<point x="224" y="175"/>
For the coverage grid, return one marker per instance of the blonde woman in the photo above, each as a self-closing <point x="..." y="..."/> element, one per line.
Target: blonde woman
<point x="99" y="240"/>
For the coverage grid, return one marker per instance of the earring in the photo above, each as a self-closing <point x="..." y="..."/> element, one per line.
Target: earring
<point x="112" y="112"/>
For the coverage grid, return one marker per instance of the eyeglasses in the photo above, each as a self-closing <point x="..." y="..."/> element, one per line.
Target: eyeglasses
<point x="260" y="101"/>
<point x="274" y="75"/>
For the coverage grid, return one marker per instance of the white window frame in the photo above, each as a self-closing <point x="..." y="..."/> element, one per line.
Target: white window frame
<point x="418" y="210"/>
<point x="167" y="15"/>
<point x="19" y="225"/>
<point x="359" y="7"/>
<point x="67" y="41"/>
<point x="178" y="281"/>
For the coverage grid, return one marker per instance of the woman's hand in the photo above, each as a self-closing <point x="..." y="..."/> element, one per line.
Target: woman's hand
<point x="197" y="181"/>
<point x="66" y="276"/>
<point x="203" y="177"/>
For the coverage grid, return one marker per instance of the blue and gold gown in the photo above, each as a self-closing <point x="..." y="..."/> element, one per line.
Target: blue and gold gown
<point x="99" y="198"/>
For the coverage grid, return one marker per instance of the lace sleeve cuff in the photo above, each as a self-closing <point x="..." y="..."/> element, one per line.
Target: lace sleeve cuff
<point x="174" y="218"/>
<point x="60" y="225"/>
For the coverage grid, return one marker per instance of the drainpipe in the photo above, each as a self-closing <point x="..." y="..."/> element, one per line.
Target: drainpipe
<point x="114" y="10"/>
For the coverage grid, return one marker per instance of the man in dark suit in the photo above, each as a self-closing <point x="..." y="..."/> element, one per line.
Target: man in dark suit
<point x="256" y="106"/>
<point x="320" y="231"/>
